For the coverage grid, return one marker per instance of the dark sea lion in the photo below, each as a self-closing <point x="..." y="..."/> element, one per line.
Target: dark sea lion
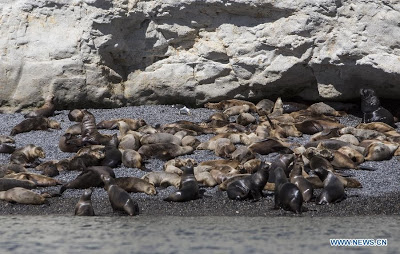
<point x="27" y="155"/>
<point x="224" y="185"/>
<point x="9" y="183"/>
<point x="75" y="115"/>
<point x="164" y="151"/>
<point x="46" y="110"/>
<point x="312" y="126"/>
<point x="296" y="177"/>
<point x="333" y="190"/>
<point x="287" y="195"/>
<point x="189" y="188"/>
<point x="48" y="168"/>
<point x="112" y="158"/>
<point x="7" y="148"/>
<point x="249" y="187"/>
<point x="84" y="206"/>
<point x="120" y="199"/>
<point x="134" y="184"/>
<point x="289" y="107"/>
<point x="90" y="177"/>
<point x="69" y="143"/>
<point x="90" y="134"/>
<point x="22" y="196"/>
<point x="10" y="168"/>
<point x="269" y="145"/>
<point x="35" y="123"/>
<point x="372" y="109"/>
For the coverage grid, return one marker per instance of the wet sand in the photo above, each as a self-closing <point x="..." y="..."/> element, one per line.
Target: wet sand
<point x="379" y="195"/>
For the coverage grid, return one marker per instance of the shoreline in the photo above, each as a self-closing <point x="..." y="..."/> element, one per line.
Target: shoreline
<point x="380" y="194"/>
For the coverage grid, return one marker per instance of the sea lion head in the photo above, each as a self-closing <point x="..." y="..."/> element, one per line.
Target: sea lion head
<point x="369" y="101"/>
<point x="38" y="151"/>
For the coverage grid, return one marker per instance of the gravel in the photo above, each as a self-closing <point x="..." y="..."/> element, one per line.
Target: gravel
<point x="379" y="195"/>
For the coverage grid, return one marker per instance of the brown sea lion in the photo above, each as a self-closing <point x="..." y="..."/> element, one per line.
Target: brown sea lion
<point x="190" y="141"/>
<point x="75" y="129"/>
<point x="163" y="179"/>
<point x="377" y="151"/>
<point x="377" y="126"/>
<point x="222" y="173"/>
<point x="325" y="134"/>
<point x="90" y="134"/>
<point x="164" y="151"/>
<point x="10" y="168"/>
<point x="84" y="206"/>
<point x="132" y="159"/>
<point x="39" y="180"/>
<point x="48" y="168"/>
<point x="35" y="123"/>
<point x="134" y="184"/>
<point x="242" y="154"/>
<point x="69" y="143"/>
<point x="189" y="188"/>
<point x="236" y="110"/>
<point x="75" y="115"/>
<point x="278" y="108"/>
<point x="264" y="107"/>
<point x="224" y="148"/>
<point x="27" y="155"/>
<point x="269" y="145"/>
<point x="130" y="141"/>
<point x="222" y="105"/>
<point x="174" y="165"/>
<point x="250" y="166"/>
<point x="22" y="196"/>
<point x="321" y="108"/>
<point x="191" y="128"/>
<point x="349" y="138"/>
<point x="160" y="138"/>
<point x="120" y="200"/>
<point x="46" y="110"/>
<point x="245" y="119"/>
<point x="363" y="134"/>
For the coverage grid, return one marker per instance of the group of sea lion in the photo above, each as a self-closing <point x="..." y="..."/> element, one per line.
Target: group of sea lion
<point x="243" y="132"/>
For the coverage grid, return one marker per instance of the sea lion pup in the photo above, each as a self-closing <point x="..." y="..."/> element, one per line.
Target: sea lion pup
<point x="236" y="110"/>
<point x="27" y="155"/>
<point x="372" y="109"/>
<point x="189" y="188"/>
<point x="134" y="184"/>
<point x="46" y="110"/>
<point x="160" y="138"/>
<point x="225" y="104"/>
<point x="164" y="151"/>
<point x="249" y="187"/>
<point x="90" y="177"/>
<point x="287" y="195"/>
<point x="163" y="179"/>
<point x="174" y="165"/>
<point x="362" y="134"/>
<point x="69" y="143"/>
<point x="22" y="196"/>
<point x="132" y="159"/>
<point x="264" y="107"/>
<point x="296" y="177"/>
<point x="245" y="119"/>
<point x="333" y="190"/>
<point x="35" y="123"/>
<point x="269" y="145"/>
<point x="48" y="168"/>
<point x="313" y="126"/>
<point x="120" y="199"/>
<point x="321" y="108"/>
<point x="75" y="115"/>
<point x="39" y="180"/>
<point x="224" y="148"/>
<point x="9" y="183"/>
<point x="84" y="206"/>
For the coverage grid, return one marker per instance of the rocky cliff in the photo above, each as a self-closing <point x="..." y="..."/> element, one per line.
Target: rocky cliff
<point x="104" y="53"/>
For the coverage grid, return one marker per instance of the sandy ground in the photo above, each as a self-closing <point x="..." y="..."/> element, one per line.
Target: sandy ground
<point x="379" y="195"/>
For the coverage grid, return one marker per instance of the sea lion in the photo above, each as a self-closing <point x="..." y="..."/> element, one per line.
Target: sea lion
<point x="376" y="126"/>
<point x="333" y="190"/>
<point x="333" y="144"/>
<point x="251" y="166"/>
<point x="372" y="109"/>
<point x="75" y="115"/>
<point x="242" y="154"/>
<point x="245" y="119"/>
<point x="10" y="168"/>
<point x="22" y="196"/>
<point x="35" y="123"/>
<point x="325" y="134"/>
<point x="287" y="195"/>
<point x="313" y="126"/>
<point x="220" y="174"/>
<point x="290" y="106"/>
<point x="321" y="108"/>
<point x="130" y="141"/>
<point x="9" y="183"/>
<point x="39" y="180"/>
<point x="132" y="159"/>
<point x="84" y="206"/>
<point x="174" y="165"/>
<point x="224" y="148"/>
<point x="75" y="129"/>
<point x="90" y="177"/>
<point x="191" y="128"/>
<point x="112" y="157"/>
<point x="249" y="187"/>
<point x="163" y="179"/>
<point x="353" y="154"/>
<point x="349" y="138"/>
<point x="48" y="168"/>
<point x="7" y="148"/>
<point x="236" y="110"/>
<point x="46" y="110"/>
<point x="264" y="107"/>
<point x="224" y="185"/>
<point x="362" y="134"/>
<point x="189" y="188"/>
<point x="378" y="151"/>
<point x="90" y="134"/>
<point x="120" y="199"/>
<point x="190" y="141"/>
<point x="164" y="151"/>
<point x="134" y="184"/>
<point x="160" y="138"/>
<point x="269" y="145"/>
<point x="225" y="104"/>
<point x="27" y="155"/>
<point x="69" y="143"/>
<point x="297" y="178"/>
<point x="230" y="128"/>
<point x="6" y="139"/>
